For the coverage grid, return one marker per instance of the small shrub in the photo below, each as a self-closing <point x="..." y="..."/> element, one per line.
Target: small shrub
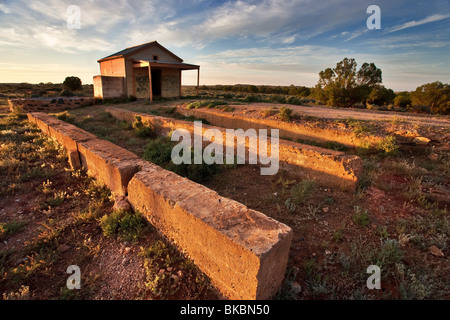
<point x="197" y="104"/>
<point x="66" y="93"/>
<point x="131" y="227"/>
<point x="278" y="99"/>
<point x="388" y="145"/>
<point x="158" y="151"/>
<point x="419" y="109"/>
<point x="291" y="207"/>
<point x="285" y="114"/>
<point x="416" y="287"/>
<point x="64" y="116"/>
<point x="226" y="108"/>
<point x="215" y="103"/>
<point x="170" y="110"/>
<point x="22" y="294"/>
<point x="195" y="172"/>
<point x="110" y="223"/>
<point x="402" y="101"/>
<point x="358" y="127"/>
<point x="124" y="125"/>
<point x="361" y="217"/>
<point x="156" y="257"/>
<point x="141" y="130"/>
<point x="252" y="99"/>
<point x="56" y="200"/>
<point x="338" y="236"/>
<point x="269" y="112"/>
<point x="128" y="226"/>
<point x="10" y="228"/>
<point x="389" y="254"/>
<point x="302" y="191"/>
<point x="33" y="173"/>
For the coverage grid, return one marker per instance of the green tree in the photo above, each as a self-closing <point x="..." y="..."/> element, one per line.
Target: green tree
<point x="292" y="90"/>
<point x="380" y="95"/>
<point x="403" y="99"/>
<point x="344" y="86"/>
<point x="435" y="95"/>
<point x="72" y="83"/>
<point x="252" y="89"/>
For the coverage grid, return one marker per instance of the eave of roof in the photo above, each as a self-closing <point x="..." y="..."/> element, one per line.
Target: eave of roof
<point x="162" y="64"/>
<point x="128" y="51"/>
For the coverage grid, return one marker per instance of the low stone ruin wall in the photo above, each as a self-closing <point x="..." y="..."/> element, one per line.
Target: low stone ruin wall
<point x="327" y="166"/>
<point x="242" y="251"/>
<point x="49" y="104"/>
<point x="287" y="129"/>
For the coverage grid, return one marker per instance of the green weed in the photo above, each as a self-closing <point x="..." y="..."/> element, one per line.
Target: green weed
<point x="388" y="145"/>
<point x="285" y="114"/>
<point x="10" y="228"/>
<point x="302" y="191"/>
<point x="127" y="226"/>
<point x="361" y="217"/>
<point x="143" y="130"/>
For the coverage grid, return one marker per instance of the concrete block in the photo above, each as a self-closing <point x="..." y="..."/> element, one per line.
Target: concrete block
<point x="109" y="163"/>
<point x="43" y="120"/>
<point x="69" y="135"/>
<point x="243" y="251"/>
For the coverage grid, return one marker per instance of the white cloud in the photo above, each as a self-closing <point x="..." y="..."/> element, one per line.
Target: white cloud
<point x="68" y="41"/>
<point x="355" y="34"/>
<point x="414" y="23"/>
<point x="4" y="8"/>
<point x="289" y="40"/>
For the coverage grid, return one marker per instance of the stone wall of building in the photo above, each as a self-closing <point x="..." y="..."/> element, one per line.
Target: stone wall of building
<point x="106" y="87"/>
<point x="142" y="83"/>
<point x="170" y="83"/>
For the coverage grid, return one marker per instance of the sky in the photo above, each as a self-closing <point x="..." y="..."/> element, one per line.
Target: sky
<point x="268" y="42"/>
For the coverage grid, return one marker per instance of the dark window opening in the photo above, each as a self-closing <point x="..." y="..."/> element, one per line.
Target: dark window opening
<point x="155" y="58"/>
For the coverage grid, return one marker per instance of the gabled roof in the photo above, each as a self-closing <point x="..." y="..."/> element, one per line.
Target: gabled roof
<point x="131" y="50"/>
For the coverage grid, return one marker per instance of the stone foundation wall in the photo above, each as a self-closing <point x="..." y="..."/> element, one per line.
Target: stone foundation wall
<point x="287" y="129"/>
<point x="243" y="251"/>
<point x="329" y="167"/>
<point x="49" y="104"/>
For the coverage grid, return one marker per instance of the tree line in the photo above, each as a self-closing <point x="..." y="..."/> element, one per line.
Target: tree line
<point x="347" y="86"/>
<point x="292" y="90"/>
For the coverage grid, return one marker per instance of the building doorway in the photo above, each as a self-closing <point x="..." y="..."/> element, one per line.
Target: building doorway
<point x="156" y="82"/>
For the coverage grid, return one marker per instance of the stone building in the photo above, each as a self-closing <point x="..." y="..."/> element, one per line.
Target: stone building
<point x="145" y="71"/>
